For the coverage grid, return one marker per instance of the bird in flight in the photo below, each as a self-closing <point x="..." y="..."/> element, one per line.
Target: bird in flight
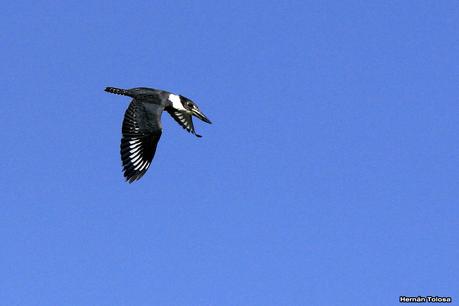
<point x="142" y="127"/>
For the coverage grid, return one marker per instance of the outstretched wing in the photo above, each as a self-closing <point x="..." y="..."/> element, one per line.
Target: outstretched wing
<point x="184" y="120"/>
<point x="141" y="132"/>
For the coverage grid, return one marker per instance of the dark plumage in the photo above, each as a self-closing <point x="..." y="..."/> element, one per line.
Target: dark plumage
<point x="142" y="127"/>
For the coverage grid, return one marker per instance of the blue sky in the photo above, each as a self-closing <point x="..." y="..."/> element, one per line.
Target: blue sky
<point x="329" y="177"/>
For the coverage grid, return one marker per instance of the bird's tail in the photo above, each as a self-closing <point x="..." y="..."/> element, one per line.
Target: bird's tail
<point x="117" y="91"/>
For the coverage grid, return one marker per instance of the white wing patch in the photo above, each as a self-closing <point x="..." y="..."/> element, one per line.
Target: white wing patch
<point x="183" y="120"/>
<point x="135" y="155"/>
<point x="138" y="161"/>
<point x="176" y="102"/>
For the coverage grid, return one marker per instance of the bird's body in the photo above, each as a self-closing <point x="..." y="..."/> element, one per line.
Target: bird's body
<point x="142" y="129"/>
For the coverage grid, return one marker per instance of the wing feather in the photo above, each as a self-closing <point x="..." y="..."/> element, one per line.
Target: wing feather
<point x="141" y="132"/>
<point x="185" y="120"/>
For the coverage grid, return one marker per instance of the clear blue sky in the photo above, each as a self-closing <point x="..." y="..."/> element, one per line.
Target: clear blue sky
<point x="329" y="177"/>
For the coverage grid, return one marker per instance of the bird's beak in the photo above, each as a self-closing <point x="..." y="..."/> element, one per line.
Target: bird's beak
<point x="200" y="115"/>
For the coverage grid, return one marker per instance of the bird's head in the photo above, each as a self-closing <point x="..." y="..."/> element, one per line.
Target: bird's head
<point x="184" y="104"/>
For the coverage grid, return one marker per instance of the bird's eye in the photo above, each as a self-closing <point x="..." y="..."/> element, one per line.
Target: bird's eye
<point x="190" y="105"/>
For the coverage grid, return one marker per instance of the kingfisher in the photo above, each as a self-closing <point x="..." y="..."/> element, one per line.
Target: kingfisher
<point x="142" y="127"/>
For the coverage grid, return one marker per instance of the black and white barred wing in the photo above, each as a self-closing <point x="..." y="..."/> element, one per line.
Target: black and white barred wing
<point x="141" y="132"/>
<point x="184" y="119"/>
